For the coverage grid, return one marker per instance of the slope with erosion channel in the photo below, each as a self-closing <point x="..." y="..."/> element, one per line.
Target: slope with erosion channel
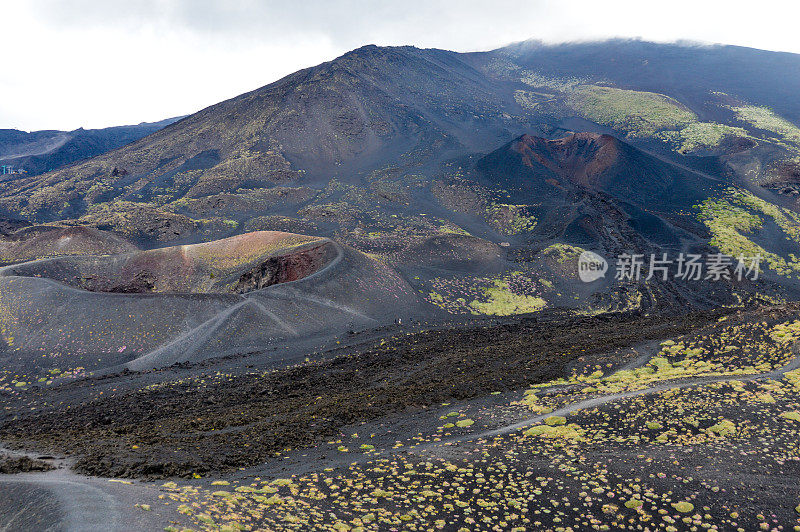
<point x="394" y="117"/>
<point x="554" y="171"/>
<point x="582" y="191"/>
<point x="596" y="192"/>
<point x="547" y="200"/>
<point x="146" y="309"/>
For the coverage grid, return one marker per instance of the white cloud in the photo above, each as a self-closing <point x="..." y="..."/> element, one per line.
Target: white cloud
<point x="100" y="63"/>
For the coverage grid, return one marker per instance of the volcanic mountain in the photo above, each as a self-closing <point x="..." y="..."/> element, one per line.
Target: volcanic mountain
<point x="386" y="119"/>
<point x="596" y="163"/>
<point x="368" y="271"/>
<point x="356" y="112"/>
<point x="688" y="71"/>
<point x="472" y="165"/>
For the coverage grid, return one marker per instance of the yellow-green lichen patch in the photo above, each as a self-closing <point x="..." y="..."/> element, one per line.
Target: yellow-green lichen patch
<point x="555" y="420"/>
<point x="683" y="507"/>
<point x="637" y="113"/>
<point x="700" y="135"/>
<point x="733" y="219"/>
<point x="512" y="293"/>
<point x="724" y="428"/>
<point x="501" y="301"/>
<point x="792" y="416"/>
<point x="562" y="253"/>
<point x="571" y="432"/>
<point x="633" y="503"/>
<point x="766" y="119"/>
<point x="509" y="219"/>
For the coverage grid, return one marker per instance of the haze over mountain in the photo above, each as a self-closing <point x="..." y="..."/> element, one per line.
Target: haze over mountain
<point x="37" y="152"/>
<point x="687" y="71"/>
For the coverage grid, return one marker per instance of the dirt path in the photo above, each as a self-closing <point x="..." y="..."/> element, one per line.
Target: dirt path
<point x="66" y="501"/>
<point x="82" y="506"/>
<point x="494" y="352"/>
<point x="301" y="461"/>
<point x="598" y="401"/>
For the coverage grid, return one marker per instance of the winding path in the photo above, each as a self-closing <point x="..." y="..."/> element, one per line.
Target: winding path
<point x="85" y="503"/>
<point x="793" y="364"/>
<point x="63" y="500"/>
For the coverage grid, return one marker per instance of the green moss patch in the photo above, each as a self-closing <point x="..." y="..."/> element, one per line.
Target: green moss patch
<point x="503" y="302"/>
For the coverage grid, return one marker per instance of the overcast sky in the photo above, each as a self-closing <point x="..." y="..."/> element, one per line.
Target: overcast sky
<point x="85" y="63"/>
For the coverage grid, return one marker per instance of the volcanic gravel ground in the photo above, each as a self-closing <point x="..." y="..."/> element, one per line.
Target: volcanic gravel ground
<point x="21" y="464"/>
<point x="124" y="426"/>
<point x="698" y="433"/>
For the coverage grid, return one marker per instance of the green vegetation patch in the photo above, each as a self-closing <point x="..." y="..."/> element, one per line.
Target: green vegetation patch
<point x="509" y="219"/>
<point x="571" y="432"/>
<point x="732" y="216"/>
<point x="642" y="114"/>
<point x="562" y="253"/>
<point x="766" y="119"/>
<point x="700" y="135"/>
<point x="791" y="416"/>
<point x="503" y="302"/>
<point x="683" y="507"/>
<point x="553" y="421"/>
<point x="637" y="113"/>
<point x="514" y="293"/>
<point x="724" y="428"/>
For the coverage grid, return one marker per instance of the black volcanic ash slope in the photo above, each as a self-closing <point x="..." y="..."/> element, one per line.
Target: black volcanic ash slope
<point x="357" y="111"/>
<point x="686" y="71"/>
<point x="589" y="173"/>
<point x="399" y="112"/>
<point x="377" y="149"/>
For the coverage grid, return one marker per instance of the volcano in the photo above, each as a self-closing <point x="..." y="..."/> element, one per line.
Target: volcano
<point x="595" y="163"/>
<point x="149" y="309"/>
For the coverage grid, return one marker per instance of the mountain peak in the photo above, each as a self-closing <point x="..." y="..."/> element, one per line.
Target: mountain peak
<point x="555" y="168"/>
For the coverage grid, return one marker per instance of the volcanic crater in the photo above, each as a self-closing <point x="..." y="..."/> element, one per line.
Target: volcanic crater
<point x="238" y="264"/>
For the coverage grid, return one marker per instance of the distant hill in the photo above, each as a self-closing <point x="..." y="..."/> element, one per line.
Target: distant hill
<point x="38" y="152"/>
<point x="686" y="71"/>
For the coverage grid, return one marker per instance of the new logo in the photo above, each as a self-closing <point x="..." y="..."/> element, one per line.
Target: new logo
<point x="591" y="266"/>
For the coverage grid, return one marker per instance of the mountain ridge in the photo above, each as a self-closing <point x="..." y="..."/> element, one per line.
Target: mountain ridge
<point x="403" y="153"/>
<point x="38" y="152"/>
